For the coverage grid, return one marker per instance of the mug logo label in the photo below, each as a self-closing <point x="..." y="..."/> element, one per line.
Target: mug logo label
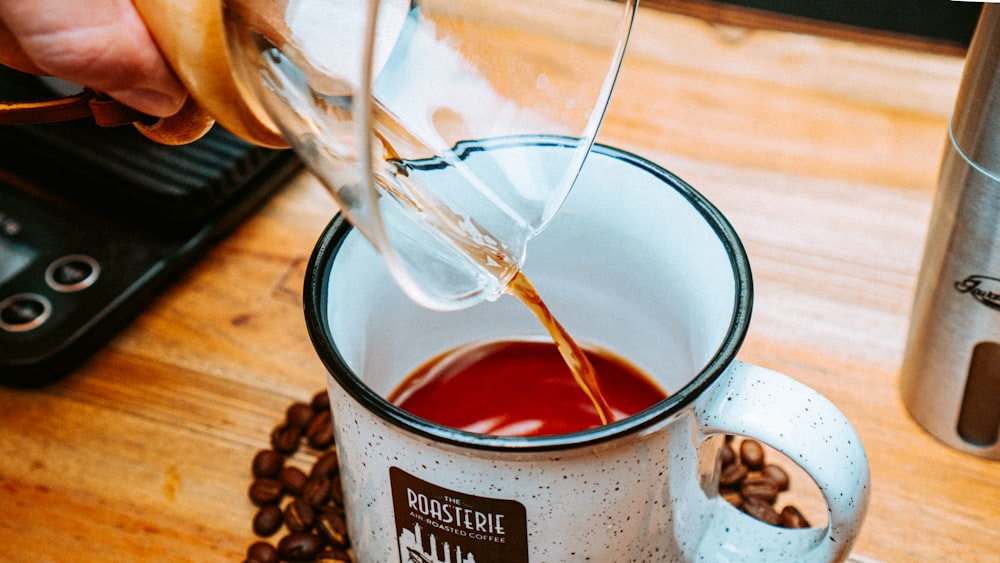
<point x="984" y="289"/>
<point x="438" y="525"/>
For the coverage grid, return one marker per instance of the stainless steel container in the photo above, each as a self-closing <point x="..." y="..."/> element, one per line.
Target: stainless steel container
<point x="951" y="371"/>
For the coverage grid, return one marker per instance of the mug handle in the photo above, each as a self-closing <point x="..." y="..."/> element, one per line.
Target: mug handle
<point x="806" y="427"/>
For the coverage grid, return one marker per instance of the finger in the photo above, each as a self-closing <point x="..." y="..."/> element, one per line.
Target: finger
<point x="102" y="44"/>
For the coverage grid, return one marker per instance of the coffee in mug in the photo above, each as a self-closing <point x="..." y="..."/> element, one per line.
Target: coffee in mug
<point x="521" y="388"/>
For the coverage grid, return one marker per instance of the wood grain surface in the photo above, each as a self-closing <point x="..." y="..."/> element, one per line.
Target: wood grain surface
<point x="822" y="152"/>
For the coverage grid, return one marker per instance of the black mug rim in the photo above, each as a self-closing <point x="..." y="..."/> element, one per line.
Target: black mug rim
<point x="336" y="232"/>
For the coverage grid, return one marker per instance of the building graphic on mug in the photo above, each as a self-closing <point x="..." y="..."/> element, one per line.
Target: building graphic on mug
<point x="411" y="546"/>
<point x="439" y="525"/>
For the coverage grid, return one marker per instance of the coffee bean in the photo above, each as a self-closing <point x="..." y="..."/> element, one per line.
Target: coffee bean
<point x="777" y="475"/>
<point x="265" y="491"/>
<point x="790" y="517"/>
<point x="319" y="433"/>
<point x="327" y="465"/>
<point x="748" y="483"/>
<point x="337" y="491"/>
<point x="333" y="529"/>
<point x="732" y="475"/>
<point x="299" y="415"/>
<point x="267" y="521"/>
<point x="760" y="487"/>
<point x="316" y="491"/>
<point x="752" y="454"/>
<point x="727" y="454"/>
<point x="734" y="498"/>
<point x="333" y="556"/>
<point x="262" y="552"/>
<point x="299" y="516"/>
<point x="285" y="438"/>
<point x="334" y="510"/>
<point x="320" y="402"/>
<point x="292" y="479"/>
<point x="267" y="463"/>
<point x="761" y="510"/>
<point x="299" y="546"/>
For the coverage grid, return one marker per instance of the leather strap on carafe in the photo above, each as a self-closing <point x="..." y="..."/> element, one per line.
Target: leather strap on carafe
<point x="186" y="126"/>
<point x="88" y="103"/>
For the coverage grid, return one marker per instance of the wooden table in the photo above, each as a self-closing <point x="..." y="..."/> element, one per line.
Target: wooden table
<point x="822" y="152"/>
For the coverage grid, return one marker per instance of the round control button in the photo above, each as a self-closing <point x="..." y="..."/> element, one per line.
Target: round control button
<point x="24" y="311"/>
<point x="72" y="273"/>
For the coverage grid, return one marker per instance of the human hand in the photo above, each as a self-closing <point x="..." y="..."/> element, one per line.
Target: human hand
<point x="101" y="44"/>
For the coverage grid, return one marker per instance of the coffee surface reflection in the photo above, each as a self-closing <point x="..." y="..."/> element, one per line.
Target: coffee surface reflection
<point x="521" y="388"/>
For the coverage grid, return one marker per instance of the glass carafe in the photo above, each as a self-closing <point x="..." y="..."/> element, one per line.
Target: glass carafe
<point x="420" y="118"/>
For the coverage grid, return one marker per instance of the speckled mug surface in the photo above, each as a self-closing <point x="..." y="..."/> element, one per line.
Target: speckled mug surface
<point x="637" y="262"/>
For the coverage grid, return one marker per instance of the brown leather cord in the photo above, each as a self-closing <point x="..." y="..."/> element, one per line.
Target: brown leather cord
<point x="188" y="125"/>
<point x="88" y="103"/>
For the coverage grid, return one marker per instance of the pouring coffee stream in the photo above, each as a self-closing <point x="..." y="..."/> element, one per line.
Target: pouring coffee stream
<point x="576" y="360"/>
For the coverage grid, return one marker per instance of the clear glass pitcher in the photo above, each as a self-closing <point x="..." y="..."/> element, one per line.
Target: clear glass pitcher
<point x="385" y="100"/>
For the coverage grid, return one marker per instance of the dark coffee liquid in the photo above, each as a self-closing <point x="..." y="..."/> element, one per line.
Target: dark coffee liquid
<point x="521" y="388"/>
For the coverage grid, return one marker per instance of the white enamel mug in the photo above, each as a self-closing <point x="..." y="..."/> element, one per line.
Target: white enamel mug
<point x="637" y="262"/>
